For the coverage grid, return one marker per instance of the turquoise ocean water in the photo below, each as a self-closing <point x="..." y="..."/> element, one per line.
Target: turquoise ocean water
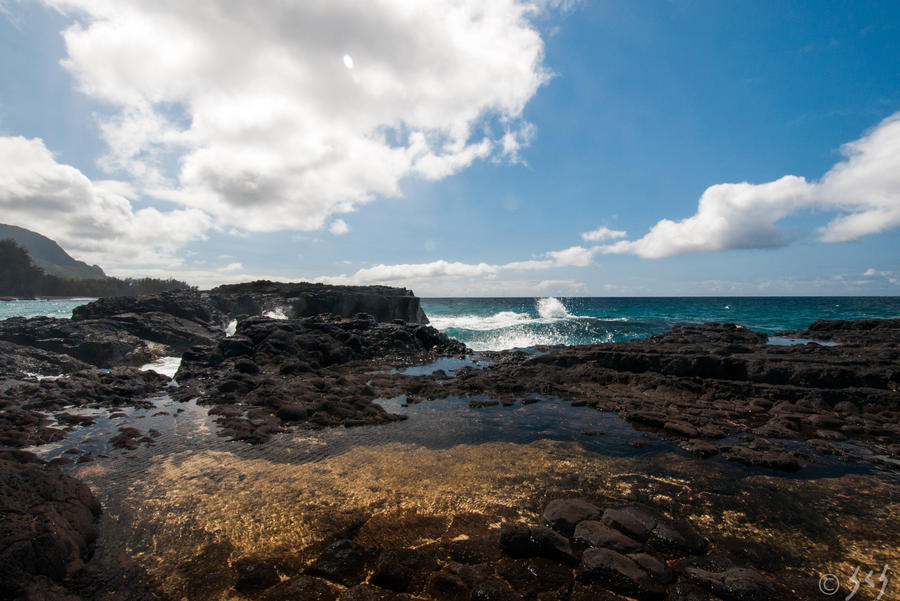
<point x="35" y="308"/>
<point x="504" y="323"/>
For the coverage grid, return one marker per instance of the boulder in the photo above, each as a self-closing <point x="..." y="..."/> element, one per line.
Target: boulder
<point x="564" y="514"/>
<point x="734" y="584"/>
<point x="48" y="524"/>
<point x="620" y="573"/>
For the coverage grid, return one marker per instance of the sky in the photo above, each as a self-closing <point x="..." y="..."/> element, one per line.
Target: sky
<point x="462" y="148"/>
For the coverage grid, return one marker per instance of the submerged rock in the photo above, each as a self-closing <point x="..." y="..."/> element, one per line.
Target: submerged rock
<point x="565" y="514"/>
<point x="734" y="584"/>
<point x="620" y="573"/>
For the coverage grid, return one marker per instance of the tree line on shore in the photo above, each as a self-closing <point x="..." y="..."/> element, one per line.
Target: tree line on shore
<point x="19" y="277"/>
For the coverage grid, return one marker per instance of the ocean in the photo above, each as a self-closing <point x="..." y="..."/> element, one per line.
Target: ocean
<point x="506" y="323"/>
<point x="47" y="307"/>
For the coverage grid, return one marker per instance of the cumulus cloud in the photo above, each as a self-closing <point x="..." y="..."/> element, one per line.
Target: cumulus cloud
<point x="864" y="189"/>
<point x="603" y="233"/>
<point x="729" y="216"/>
<point x="272" y="127"/>
<point x="94" y="221"/>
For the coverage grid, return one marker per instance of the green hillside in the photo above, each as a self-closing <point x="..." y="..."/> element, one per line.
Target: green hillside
<point x="48" y="255"/>
<point x="22" y="277"/>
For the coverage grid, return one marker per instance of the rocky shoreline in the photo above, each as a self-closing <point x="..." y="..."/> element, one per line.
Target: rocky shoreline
<point x="716" y="390"/>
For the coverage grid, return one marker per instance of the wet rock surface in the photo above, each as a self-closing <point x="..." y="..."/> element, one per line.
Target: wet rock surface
<point x="38" y="411"/>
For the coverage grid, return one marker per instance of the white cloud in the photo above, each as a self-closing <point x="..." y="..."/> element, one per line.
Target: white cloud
<point x="94" y="221"/>
<point x="872" y="272"/>
<point x="729" y="216"/>
<point x="602" y="234"/>
<point x="864" y="188"/>
<point x="560" y="285"/>
<point x="515" y="140"/>
<point x="232" y="267"/>
<point x="575" y="256"/>
<point x="416" y="271"/>
<point x="271" y="126"/>
<point x="339" y="227"/>
<point x="866" y="185"/>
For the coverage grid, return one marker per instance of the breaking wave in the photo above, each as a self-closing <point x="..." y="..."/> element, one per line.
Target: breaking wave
<point x="547" y="322"/>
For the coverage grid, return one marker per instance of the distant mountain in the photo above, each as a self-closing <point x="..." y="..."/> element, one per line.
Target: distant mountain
<point x="49" y="256"/>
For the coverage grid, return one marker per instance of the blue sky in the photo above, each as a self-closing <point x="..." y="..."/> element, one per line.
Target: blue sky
<point x="465" y="149"/>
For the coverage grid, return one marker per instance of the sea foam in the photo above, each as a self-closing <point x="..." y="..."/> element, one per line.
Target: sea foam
<point x="552" y="308"/>
<point x="276" y="313"/>
<point x="166" y="366"/>
<point x="503" y="319"/>
<point x="548" y="310"/>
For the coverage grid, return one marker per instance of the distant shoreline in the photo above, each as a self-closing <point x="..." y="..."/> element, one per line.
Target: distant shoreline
<point x="40" y="298"/>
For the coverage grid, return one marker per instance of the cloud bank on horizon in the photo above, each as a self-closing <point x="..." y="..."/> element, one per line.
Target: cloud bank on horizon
<point x="336" y="107"/>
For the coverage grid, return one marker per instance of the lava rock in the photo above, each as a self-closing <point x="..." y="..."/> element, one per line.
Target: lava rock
<point x="564" y="514"/>
<point x="597" y="534"/>
<point x="344" y="562"/>
<point x="734" y="584"/>
<point x="48" y="525"/>
<point x="620" y="573"/>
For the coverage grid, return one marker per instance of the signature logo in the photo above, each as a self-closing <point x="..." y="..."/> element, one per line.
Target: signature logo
<point x="829" y="584"/>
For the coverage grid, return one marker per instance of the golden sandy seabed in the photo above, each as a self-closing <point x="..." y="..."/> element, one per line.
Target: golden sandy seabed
<point x="168" y="514"/>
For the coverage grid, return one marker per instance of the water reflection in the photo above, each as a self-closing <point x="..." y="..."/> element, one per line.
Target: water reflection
<point x="192" y="502"/>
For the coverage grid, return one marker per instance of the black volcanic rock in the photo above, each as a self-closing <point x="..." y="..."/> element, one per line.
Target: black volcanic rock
<point x="863" y="331"/>
<point x="708" y="381"/>
<point x="384" y="303"/>
<point x="734" y="584"/>
<point x="47" y="526"/>
<point x="565" y="514"/>
<point x="295" y="371"/>
<point x="17" y="361"/>
<point x="620" y="573"/>
<point x="24" y="404"/>
<point x="135" y="330"/>
<point x="100" y="342"/>
<point x="187" y="304"/>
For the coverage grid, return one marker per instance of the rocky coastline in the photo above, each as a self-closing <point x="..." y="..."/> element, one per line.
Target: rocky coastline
<point x="270" y="358"/>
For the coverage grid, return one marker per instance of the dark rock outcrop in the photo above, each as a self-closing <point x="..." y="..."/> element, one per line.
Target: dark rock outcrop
<point x="864" y="332"/>
<point x="47" y="526"/>
<point x="274" y="372"/>
<point x="701" y="383"/>
<point x="25" y="405"/>
<point x="18" y="362"/>
<point x="384" y="303"/>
